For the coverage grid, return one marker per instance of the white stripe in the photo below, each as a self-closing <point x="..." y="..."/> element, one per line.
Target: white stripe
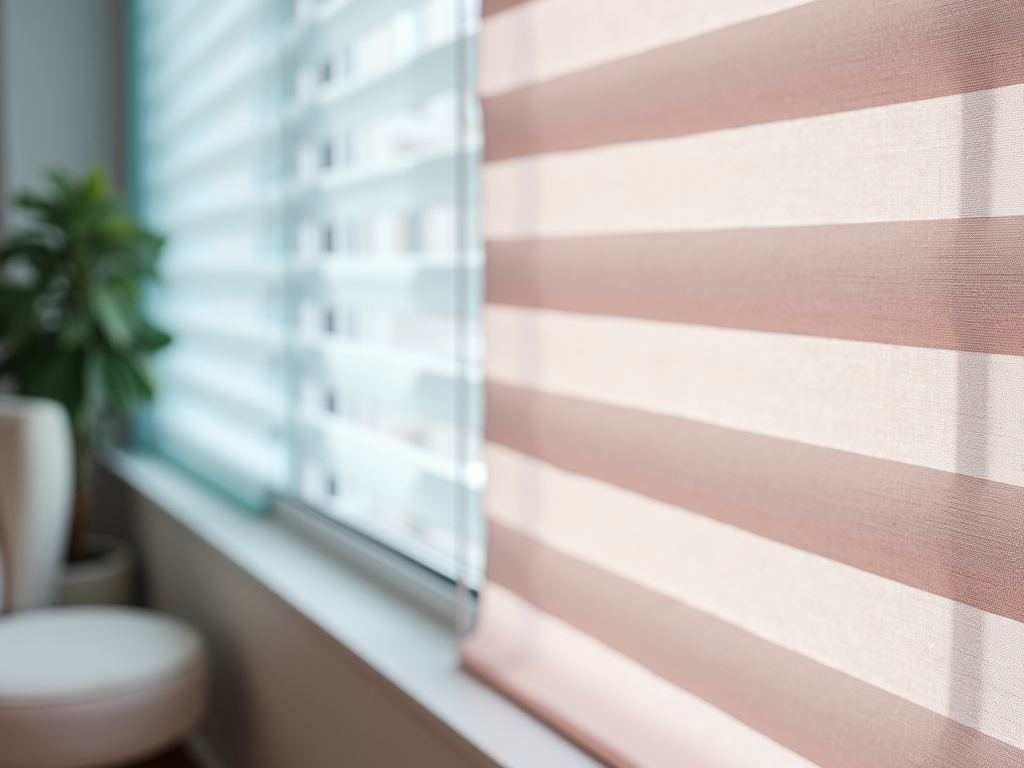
<point x="893" y="163"/>
<point x="528" y="43"/>
<point x="908" y="404"/>
<point x="911" y="643"/>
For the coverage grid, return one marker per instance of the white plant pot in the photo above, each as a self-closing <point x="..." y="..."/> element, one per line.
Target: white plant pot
<point x="104" y="578"/>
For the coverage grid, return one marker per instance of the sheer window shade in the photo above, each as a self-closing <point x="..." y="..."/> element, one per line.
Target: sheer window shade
<point x="313" y="166"/>
<point x="755" y="380"/>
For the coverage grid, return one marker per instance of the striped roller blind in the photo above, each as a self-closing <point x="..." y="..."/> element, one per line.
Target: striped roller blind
<point x="313" y="164"/>
<point x="755" y="421"/>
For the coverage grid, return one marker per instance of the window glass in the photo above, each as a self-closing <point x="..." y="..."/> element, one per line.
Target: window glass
<point x="314" y="167"/>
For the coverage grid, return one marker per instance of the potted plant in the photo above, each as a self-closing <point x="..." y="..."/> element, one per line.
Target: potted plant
<point x="71" y="320"/>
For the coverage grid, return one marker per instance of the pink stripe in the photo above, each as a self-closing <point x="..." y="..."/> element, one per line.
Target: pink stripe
<point x="598" y="724"/>
<point x="491" y="7"/>
<point x="952" y="535"/>
<point x="833" y="719"/>
<point x="823" y="57"/>
<point x="895" y="283"/>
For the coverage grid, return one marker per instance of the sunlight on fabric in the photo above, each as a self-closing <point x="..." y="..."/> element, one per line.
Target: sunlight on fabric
<point x="754" y="374"/>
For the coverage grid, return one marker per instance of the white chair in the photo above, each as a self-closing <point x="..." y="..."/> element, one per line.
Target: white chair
<point x="79" y="686"/>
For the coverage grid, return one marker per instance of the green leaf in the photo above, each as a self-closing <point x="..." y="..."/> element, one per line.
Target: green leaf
<point x="150" y="338"/>
<point x="17" y="314"/>
<point x="113" y="313"/>
<point x="44" y="371"/>
<point x="118" y="381"/>
<point x="74" y="329"/>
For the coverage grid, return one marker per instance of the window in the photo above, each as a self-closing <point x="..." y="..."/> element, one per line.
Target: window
<point x="313" y="165"/>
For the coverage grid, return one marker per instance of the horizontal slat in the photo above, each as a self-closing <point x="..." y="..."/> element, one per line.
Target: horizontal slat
<point x="379" y="448"/>
<point x="863" y="625"/>
<point x="244" y="462"/>
<point x="249" y="73"/>
<point x="400" y="283"/>
<point x="244" y="137"/>
<point x="433" y="555"/>
<point x="351" y="103"/>
<point x="188" y="451"/>
<point x="830" y="718"/>
<point x="823" y="57"/>
<point x="409" y="287"/>
<point x="416" y="181"/>
<point x="194" y="209"/>
<point x="220" y="268"/>
<point x="238" y="353"/>
<point x="344" y="19"/>
<point x="163" y="23"/>
<point x="229" y="388"/>
<point x="263" y="335"/>
<point x="182" y="54"/>
<point x="949" y="534"/>
<point x="602" y="31"/>
<point x="440" y="178"/>
<point x="937" y="159"/>
<point x="443" y="159"/>
<point x="430" y="387"/>
<point x="895" y="283"/>
<point x="399" y="267"/>
<point x="427" y="484"/>
<point x="233" y="240"/>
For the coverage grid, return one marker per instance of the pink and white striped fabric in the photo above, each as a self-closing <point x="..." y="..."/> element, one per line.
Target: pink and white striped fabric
<point x="755" y="330"/>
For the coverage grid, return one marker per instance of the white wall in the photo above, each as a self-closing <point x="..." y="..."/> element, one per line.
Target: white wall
<point x="61" y="89"/>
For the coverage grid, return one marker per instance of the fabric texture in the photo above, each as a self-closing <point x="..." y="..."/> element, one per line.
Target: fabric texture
<point x="755" y="375"/>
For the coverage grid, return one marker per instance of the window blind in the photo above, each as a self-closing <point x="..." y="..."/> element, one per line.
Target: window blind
<point x="754" y="429"/>
<point x="313" y="167"/>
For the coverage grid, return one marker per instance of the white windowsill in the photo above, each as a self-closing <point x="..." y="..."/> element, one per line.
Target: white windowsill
<point x="409" y="647"/>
